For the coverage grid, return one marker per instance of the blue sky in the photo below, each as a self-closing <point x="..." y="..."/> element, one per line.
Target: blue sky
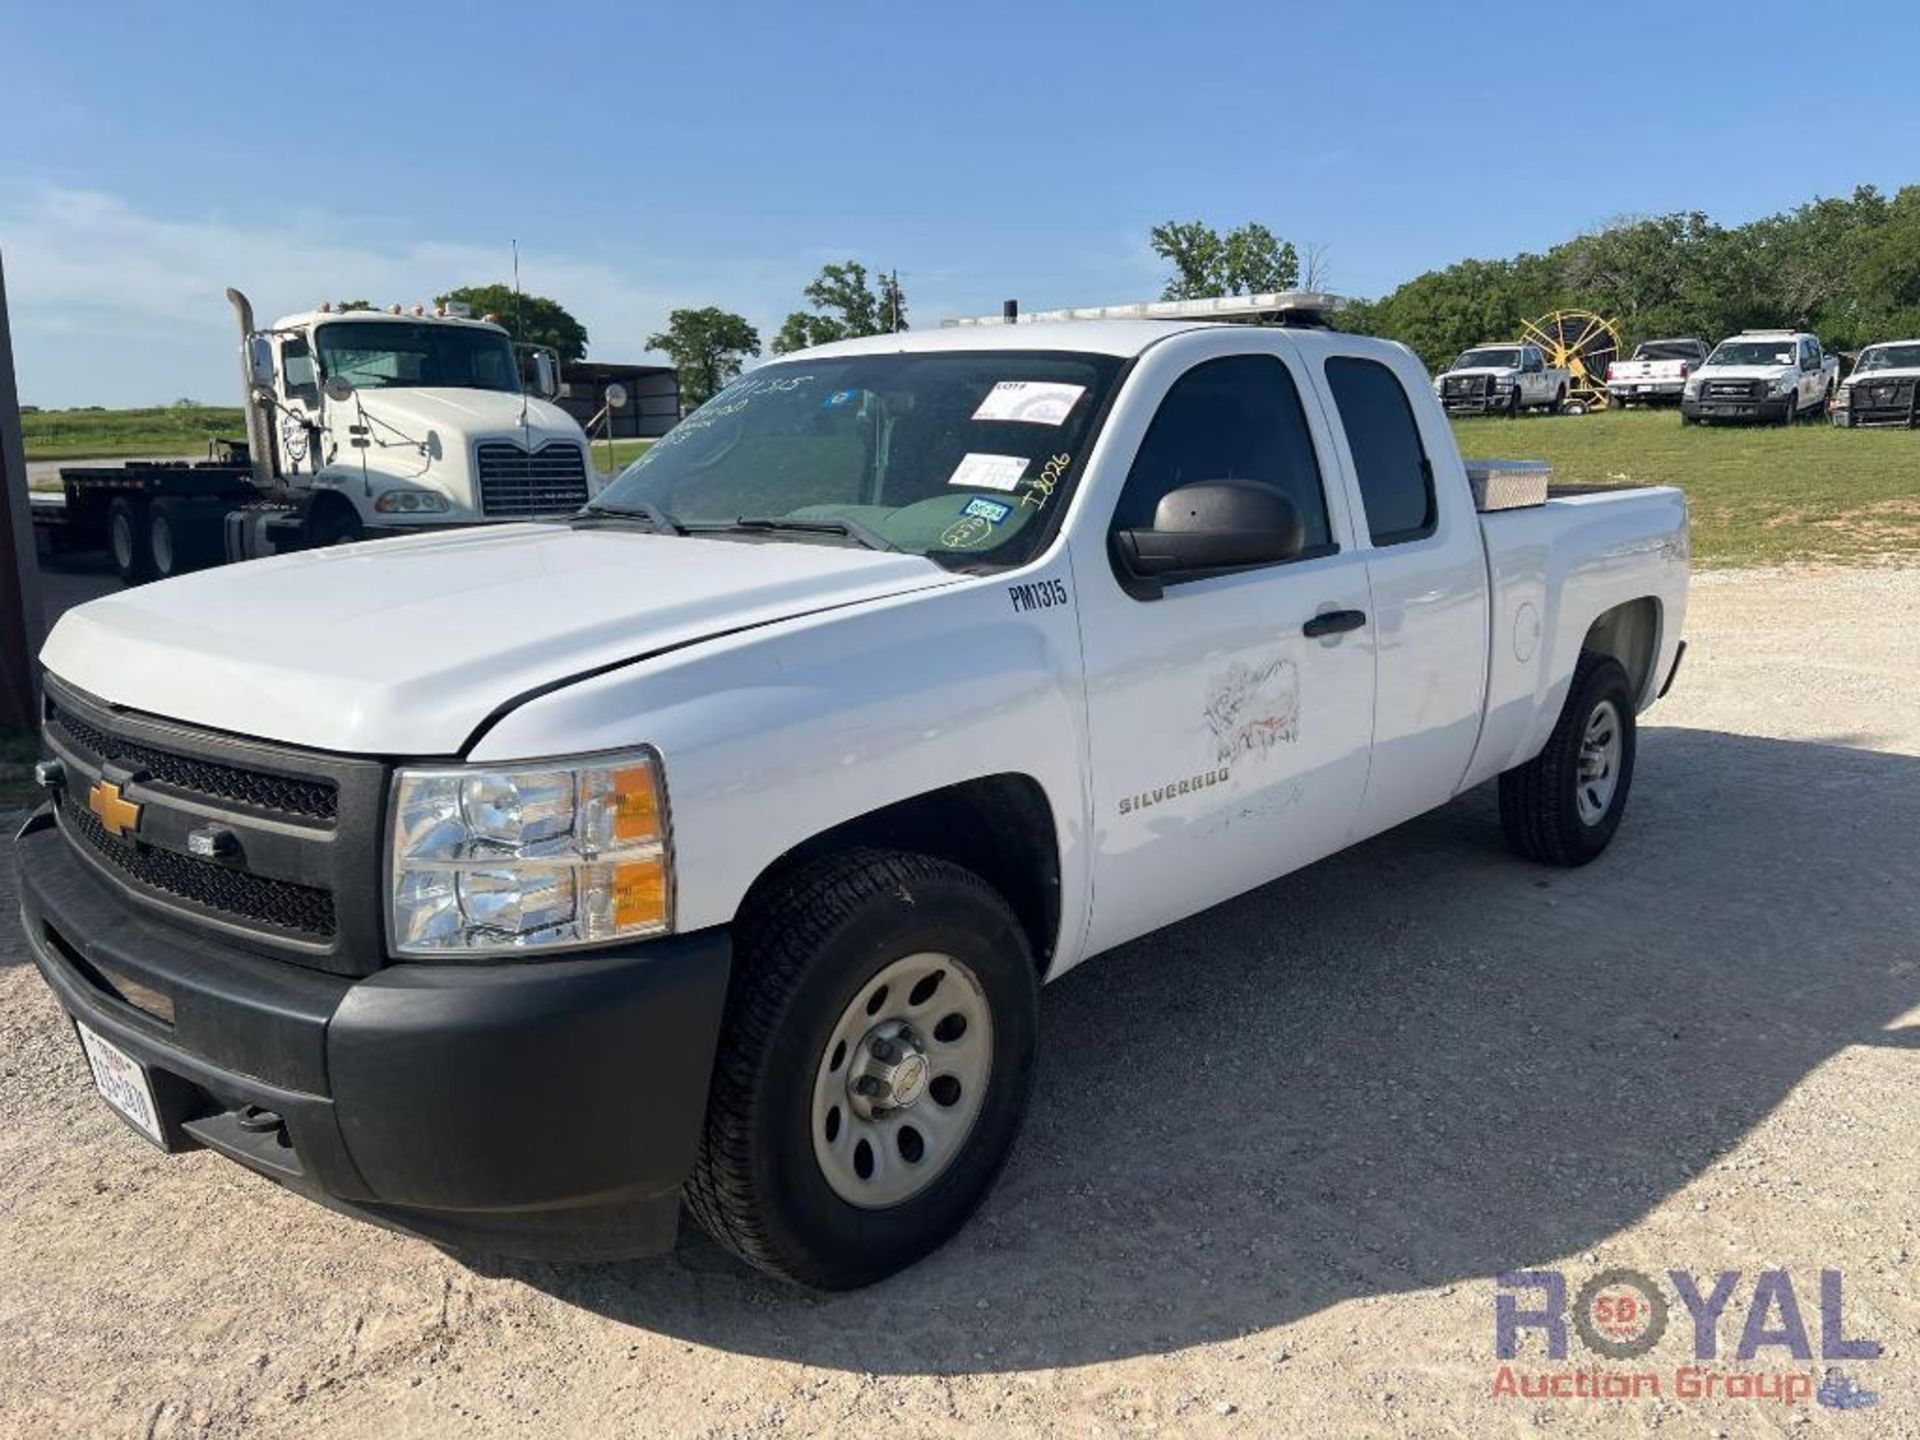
<point x="648" y="157"/>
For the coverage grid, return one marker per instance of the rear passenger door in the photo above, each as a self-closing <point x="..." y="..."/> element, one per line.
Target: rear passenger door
<point x="1426" y="569"/>
<point x="1228" y="744"/>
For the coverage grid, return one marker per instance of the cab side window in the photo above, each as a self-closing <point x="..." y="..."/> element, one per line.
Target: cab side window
<point x="1396" y="479"/>
<point x="296" y="368"/>
<point x="1236" y="418"/>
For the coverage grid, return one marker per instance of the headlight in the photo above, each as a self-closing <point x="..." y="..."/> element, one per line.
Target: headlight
<point x="1505" y="382"/>
<point x="415" y="502"/>
<point x="1843" y="398"/>
<point x="1692" y="388"/>
<point x="545" y="856"/>
<point x="1782" y="385"/>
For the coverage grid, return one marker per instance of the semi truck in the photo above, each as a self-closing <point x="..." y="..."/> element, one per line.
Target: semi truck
<point x="358" y="424"/>
<point x="709" y="848"/>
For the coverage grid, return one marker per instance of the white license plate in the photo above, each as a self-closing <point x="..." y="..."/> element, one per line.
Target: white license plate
<point x="122" y="1082"/>
<point x="1646" y="389"/>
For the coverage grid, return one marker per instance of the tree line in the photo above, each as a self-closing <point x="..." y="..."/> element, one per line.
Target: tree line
<point x="1846" y="269"/>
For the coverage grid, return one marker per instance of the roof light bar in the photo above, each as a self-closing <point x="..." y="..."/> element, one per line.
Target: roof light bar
<point x="1281" y="307"/>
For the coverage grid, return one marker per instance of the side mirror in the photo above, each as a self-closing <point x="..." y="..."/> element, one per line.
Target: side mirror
<point x="1210" y="527"/>
<point x="546" y="374"/>
<point x="260" y="362"/>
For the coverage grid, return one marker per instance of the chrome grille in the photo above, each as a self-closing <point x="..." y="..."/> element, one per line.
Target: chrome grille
<point x="1735" y="389"/>
<point x="550" y="481"/>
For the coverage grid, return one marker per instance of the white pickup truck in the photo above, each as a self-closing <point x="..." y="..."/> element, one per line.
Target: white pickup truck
<point x="1657" y="370"/>
<point x="1777" y="375"/>
<point x="1884" y="388"/>
<point x="1501" y="380"/>
<point x="510" y="887"/>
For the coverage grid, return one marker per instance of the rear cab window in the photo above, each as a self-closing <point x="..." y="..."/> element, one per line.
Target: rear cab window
<point x="1390" y="461"/>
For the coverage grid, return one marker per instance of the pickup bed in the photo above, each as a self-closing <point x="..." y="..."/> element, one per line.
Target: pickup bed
<point x="710" y="847"/>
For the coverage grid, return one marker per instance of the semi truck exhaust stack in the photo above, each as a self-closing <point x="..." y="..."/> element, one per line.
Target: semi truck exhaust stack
<point x="259" y="432"/>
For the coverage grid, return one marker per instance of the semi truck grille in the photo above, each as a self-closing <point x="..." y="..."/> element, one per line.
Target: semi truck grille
<point x="1736" y="389"/>
<point x="550" y="481"/>
<point x="294" y="835"/>
<point x="277" y="904"/>
<point x="207" y="779"/>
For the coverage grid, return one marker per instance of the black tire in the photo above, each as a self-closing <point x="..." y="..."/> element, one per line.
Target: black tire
<point x="1539" y="801"/>
<point x="1559" y="405"/>
<point x="179" y="538"/>
<point x="803" y="953"/>
<point x="1791" y="411"/>
<point x="128" y="541"/>
<point x="335" y="523"/>
<point x="1513" y="402"/>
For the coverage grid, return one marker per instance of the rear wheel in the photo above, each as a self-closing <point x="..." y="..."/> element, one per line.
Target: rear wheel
<point x="873" y="1068"/>
<point x="128" y="541"/>
<point x="1562" y="807"/>
<point x="178" y="539"/>
<point x="337" y="523"/>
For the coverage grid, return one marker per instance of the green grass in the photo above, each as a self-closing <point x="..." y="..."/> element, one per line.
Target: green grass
<point x="164" y="430"/>
<point x="1759" y="495"/>
<point x="625" y="452"/>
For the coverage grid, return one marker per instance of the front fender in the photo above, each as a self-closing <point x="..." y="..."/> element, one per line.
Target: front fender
<point x="773" y="735"/>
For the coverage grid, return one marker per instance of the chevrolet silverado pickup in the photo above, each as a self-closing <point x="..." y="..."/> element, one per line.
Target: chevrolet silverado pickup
<point x="1777" y="375"/>
<point x="516" y="887"/>
<point x="1657" y="370"/>
<point x="1884" y="388"/>
<point x="1501" y="380"/>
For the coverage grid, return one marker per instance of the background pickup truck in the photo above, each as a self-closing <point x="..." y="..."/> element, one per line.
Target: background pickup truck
<point x="513" y="887"/>
<point x="1501" y="379"/>
<point x="1657" y="370"/>
<point x="1884" y="388"/>
<point x="1777" y="375"/>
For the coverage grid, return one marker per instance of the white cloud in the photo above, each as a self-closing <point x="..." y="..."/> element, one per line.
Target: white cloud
<point x="112" y="306"/>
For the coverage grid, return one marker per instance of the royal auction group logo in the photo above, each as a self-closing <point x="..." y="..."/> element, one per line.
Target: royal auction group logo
<point x="1621" y="1315"/>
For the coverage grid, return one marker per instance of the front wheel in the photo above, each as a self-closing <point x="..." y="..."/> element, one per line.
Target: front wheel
<point x="873" y="1070"/>
<point x="1562" y="807"/>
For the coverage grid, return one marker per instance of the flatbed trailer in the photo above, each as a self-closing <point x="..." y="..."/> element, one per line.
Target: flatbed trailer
<point x="155" y="518"/>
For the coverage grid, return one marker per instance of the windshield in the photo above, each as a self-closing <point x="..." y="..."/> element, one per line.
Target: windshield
<point x="383" y="354"/>
<point x="1667" y="350"/>
<point x="1891" y="357"/>
<point x="1488" y="360"/>
<point x="1753" y="352"/>
<point x="956" y="454"/>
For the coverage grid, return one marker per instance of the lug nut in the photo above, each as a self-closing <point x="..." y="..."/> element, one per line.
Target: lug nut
<point x="869" y="1085"/>
<point x="884" y="1050"/>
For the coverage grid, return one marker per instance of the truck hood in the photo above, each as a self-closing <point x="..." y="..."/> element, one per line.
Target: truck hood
<point x="466" y="413"/>
<point x="1502" y="371"/>
<point x="1744" y="372"/>
<point x="1880" y="377"/>
<point x="404" y="646"/>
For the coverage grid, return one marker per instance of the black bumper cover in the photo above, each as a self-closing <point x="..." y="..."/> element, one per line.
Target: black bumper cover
<point x="1770" y="408"/>
<point x="545" y="1109"/>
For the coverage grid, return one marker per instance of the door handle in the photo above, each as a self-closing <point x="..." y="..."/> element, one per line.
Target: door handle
<point x="1333" y="622"/>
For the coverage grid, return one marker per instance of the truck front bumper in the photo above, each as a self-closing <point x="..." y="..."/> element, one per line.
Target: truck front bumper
<point x="544" y="1109"/>
<point x="1774" y="407"/>
<point x="1497" y="403"/>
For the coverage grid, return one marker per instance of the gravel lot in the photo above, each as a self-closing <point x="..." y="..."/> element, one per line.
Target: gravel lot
<point x="1277" y="1153"/>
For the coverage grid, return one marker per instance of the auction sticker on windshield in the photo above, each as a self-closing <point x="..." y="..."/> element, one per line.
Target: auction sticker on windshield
<point x="122" y="1082"/>
<point x="988" y="472"/>
<point x="1032" y="402"/>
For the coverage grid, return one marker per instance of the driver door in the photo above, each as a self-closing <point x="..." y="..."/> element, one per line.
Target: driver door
<point x="1229" y="746"/>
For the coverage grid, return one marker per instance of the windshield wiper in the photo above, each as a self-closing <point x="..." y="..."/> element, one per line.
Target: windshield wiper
<point x="824" y="525"/>
<point x="663" y="521"/>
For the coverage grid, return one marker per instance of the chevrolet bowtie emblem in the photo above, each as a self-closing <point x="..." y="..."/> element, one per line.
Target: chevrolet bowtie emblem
<point x="117" y="815"/>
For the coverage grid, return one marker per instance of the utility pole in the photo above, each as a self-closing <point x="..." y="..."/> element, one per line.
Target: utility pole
<point x="22" y="623"/>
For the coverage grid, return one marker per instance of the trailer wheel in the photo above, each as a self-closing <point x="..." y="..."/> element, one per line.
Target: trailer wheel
<point x="180" y="537"/>
<point x="873" y="1069"/>
<point x="127" y="540"/>
<point x="1562" y="806"/>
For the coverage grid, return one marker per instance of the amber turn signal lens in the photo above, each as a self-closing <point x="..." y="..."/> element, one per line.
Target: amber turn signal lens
<point x="636" y="805"/>
<point x="640" y="893"/>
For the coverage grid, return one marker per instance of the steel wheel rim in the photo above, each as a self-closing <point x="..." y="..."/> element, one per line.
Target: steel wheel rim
<point x="902" y="1078"/>
<point x="161" y="539"/>
<point x="1599" y="765"/>
<point x="122" y="536"/>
